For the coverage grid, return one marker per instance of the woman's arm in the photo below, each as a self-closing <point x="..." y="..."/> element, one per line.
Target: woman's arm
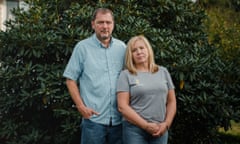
<point x="170" y="114"/>
<point x="130" y="115"/>
<point x="171" y="107"/>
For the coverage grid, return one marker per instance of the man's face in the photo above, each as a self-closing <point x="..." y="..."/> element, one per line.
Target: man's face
<point x="103" y="26"/>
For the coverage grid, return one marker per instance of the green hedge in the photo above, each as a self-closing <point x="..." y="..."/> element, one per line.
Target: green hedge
<point x="35" y="104"/>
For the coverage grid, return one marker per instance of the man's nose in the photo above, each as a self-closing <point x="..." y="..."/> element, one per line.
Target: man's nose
<point x="105" y="24"/>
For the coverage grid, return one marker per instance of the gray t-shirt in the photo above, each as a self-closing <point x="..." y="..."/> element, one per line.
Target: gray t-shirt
<point x="148" y="92"/>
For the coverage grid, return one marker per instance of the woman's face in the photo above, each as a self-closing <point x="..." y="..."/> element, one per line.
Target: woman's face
<point x="139" y="53"/>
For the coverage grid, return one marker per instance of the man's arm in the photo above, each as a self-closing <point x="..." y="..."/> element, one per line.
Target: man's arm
<point x="76" y="97"/>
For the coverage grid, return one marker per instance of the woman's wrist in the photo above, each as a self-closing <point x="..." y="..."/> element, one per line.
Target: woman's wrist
<point x="167" y="125"/>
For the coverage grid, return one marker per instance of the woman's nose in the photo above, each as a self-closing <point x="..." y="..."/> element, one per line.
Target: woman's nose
<point x="138" y="51"/>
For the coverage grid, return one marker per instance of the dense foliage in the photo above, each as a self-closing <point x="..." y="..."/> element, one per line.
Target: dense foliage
<point x="35" y="105"/>
<point x="223" y="26"/>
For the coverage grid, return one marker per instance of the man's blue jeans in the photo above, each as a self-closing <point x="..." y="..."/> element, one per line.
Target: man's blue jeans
<point x="135" y="135"/>
<point x="94" y="133"/>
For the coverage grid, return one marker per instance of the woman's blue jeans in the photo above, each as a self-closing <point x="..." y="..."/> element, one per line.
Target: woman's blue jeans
<point x="135" y="135"/>
<point x="94" y="133"/>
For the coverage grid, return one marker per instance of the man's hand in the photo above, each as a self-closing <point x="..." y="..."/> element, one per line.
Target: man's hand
<point x="86" y="112"/>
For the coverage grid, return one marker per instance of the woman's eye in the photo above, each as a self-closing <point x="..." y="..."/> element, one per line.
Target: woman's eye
<point x="133" y="50"/>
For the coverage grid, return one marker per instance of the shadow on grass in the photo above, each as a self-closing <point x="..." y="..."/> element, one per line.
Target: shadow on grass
<point x="229" y="139"/>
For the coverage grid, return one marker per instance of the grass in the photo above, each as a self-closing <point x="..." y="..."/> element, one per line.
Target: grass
<point x="232" y="136"/>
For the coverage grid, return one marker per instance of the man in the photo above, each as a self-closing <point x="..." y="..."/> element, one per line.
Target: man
<point x="95" y="65"/>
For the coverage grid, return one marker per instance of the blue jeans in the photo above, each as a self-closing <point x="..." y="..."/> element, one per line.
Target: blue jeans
<point x="94" y="133"/>
<point x="135" y="135"/>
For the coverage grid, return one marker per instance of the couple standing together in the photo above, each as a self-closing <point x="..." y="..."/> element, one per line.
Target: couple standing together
<point x="121" y="94"/>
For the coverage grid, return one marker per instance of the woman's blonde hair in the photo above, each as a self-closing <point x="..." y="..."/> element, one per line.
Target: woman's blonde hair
<point x="152" y="66"/>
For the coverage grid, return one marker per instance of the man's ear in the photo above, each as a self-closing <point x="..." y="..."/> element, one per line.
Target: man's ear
<point x="92" y="23"/>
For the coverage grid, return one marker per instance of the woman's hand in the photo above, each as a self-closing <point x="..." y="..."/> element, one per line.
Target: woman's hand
<point x="162" y="128"/>
<point x="152" y="128"/>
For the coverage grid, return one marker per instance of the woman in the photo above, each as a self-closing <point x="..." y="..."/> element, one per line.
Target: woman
<point x="146" y="96"/>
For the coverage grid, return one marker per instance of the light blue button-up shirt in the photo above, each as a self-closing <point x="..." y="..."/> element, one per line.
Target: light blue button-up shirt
<point x="97" y="68"/>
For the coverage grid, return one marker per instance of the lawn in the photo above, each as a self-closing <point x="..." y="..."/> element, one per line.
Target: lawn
<point x="232" y="136"/>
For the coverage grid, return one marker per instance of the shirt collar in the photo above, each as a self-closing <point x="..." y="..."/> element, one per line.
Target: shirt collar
<point x="99" y="42"/>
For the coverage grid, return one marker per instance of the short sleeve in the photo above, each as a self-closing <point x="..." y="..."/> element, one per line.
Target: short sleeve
<point x="169" y="80"/>
<point x="123" y="82"/>
<point x="74" y="67"/>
